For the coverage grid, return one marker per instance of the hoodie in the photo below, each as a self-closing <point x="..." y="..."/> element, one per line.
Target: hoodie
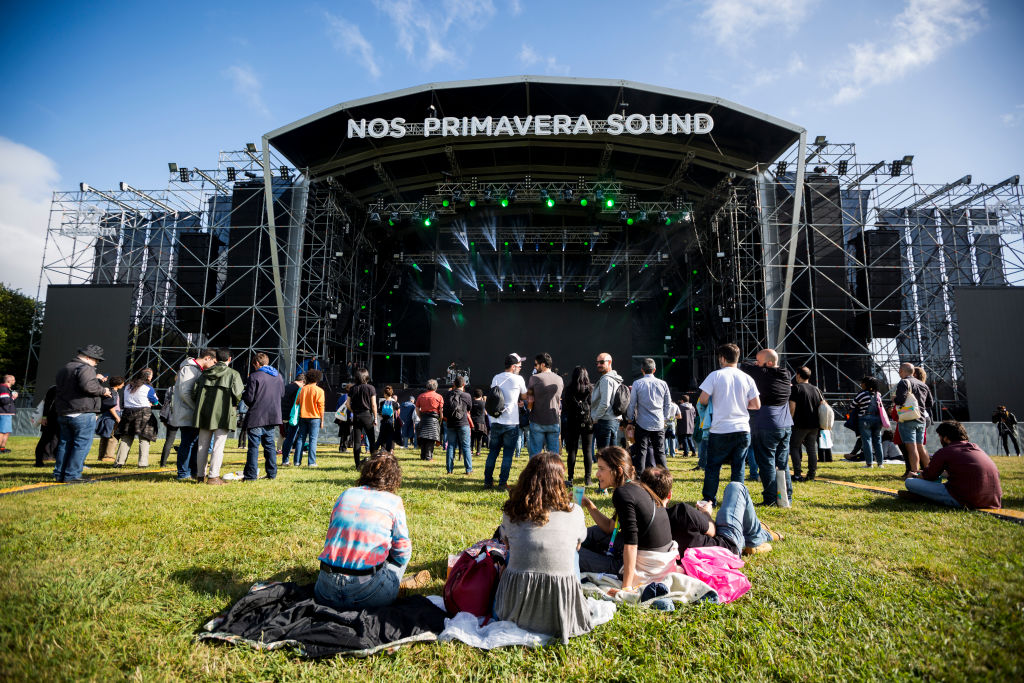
<point x="601" y="396"/>
<point x="264" y="390"/>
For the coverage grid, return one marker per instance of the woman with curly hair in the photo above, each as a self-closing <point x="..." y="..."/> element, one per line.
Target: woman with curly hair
<point x="540" y="588"/>
<point x="367" y="547"/>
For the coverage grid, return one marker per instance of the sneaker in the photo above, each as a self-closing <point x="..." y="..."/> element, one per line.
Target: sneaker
<point x="798" y="477"/>
<point x="757" y="550"/>
<point x="312" y="465"/>
<point x="215" y="481"/>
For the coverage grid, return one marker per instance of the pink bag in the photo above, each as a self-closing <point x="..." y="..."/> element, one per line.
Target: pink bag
<point x="881" y="412"/>
<point x="718" y="568"/>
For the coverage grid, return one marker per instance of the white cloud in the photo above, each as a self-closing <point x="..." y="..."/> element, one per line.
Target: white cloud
<point x="793" y="67"/>
<point x="530" y="58"/>
<point x="346" y="36"/>
<point x="516" y="7"/>
<point x="425" y="31"/>
<point x="248" y="85"/>
<point x="27" y="181"/>
<point x="733" y="22"/>
<point x="1013" y="118"/>
<point x="920" y="34"/>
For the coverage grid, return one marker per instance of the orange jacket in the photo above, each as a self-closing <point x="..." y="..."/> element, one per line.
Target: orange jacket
<point x="311" y="401"/>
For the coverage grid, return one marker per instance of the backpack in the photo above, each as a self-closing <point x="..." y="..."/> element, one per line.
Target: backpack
<point x="582" y="414"/>
<point x="473" y="579"/>
<point x="387" y="409"/>
<point x="620" y="400"/>
<point x="454" y="408"/>
<point x="495" y="403"/>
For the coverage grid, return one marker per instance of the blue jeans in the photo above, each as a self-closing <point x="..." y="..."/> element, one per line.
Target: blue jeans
<point x="258" y="435"/>
<point x="186" y="460"/>
<point x="870" y="427"/>
<point x="724" y="448"/>
<point x="604" y="434"/>
<point x="343" y="592"/>
<point x="73" y="445"/>
<point x="543" y="438"/>
<point x="771" y="448"/>
<point x="408" y="433"/>
<point x="670" y="445"/>
<point x="309" y="427"/>
<point x="503" y="438"/>
<point x="736" y="519"/>
<point x="934" y="491"/>
<point x="702" y="452"/>
<point x="687" y="444"/>
<point x="751" y="461"/>
<point x="462" y="435"/>
<point x="912" y="431"/>
<point x="290" y="431"/>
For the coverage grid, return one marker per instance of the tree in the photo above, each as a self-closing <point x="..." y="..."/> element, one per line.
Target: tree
<point x="17" y="316"/>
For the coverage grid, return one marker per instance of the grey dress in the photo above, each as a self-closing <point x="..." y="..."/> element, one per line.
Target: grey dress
<point x="539" y="590"/>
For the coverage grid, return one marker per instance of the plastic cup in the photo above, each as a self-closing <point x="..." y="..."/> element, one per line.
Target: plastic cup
<point x="577" y="493"/>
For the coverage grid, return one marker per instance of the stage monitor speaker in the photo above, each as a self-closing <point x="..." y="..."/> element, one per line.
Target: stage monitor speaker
<point x="197" y="281"/>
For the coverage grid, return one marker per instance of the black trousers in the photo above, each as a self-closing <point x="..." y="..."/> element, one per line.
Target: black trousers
<point x="571" y="438"/>
<point x="46" y="447"/>
<point x="645" y="443"/>
<point x="1006" y="446"/>
<point x="362" y="423"/>
<point x="426" y="449"/>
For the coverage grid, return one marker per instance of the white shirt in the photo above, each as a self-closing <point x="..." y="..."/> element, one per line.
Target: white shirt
<point x="730" y="390"/>
<point x="512" y="387"/>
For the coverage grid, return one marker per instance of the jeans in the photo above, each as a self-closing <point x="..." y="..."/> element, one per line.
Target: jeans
<point x="688" y="445"/>
<point x="73" y="446"/>
<point x="870" y="427"/>
<point x="462" y="435"/>
<point x="188" y="466"/>
<point x="604" y="434"/>
<point x="408" y="433"/>
<point x="751" y="462"/>
<point x="912" y="431"/>
<point x="308" y="427"/>
<point x="736" y="519"/>
<point x="702" y="452"/>
<point x="290" y="432"/>
<point x="344" y="592"/>
<point x="934" y="491"/>
<point x="645" y="441"/>
<point x="670" y="444"/>
<point x="771" y="448"/>
<point x="258" y="435"/>
<point x="503" y="438"/>
<point x="808" y="439"/>
<point x="543" y="438"/>
<point x="724" y="448"/>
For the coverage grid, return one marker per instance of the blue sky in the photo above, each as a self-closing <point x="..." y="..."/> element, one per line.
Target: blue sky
<point x="104" y="92"/>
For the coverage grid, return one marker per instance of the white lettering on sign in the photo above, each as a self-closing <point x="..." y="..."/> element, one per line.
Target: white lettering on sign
<point x="539" y="124"/>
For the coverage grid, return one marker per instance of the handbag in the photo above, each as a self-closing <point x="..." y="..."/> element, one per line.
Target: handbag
<point x="825" y="439"/>
<point x="826" y="416"/>
<point x="881" y="412"/>
<point x="293" y="417"/>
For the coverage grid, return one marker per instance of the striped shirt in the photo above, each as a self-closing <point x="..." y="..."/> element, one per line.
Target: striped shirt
<point x="367" y="527"/>
<point x="864" y="402"/>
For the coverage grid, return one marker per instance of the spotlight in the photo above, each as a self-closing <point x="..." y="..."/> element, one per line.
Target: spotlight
<point x="231" y="174"/>
<point x="172" y="167"/>
<point x="844" y="166"/>
<point x="456" y="196"/>
<point x="374" y="217"/>
<point x="183" y="175"/>
<point x="488" y="194"/>
<point x="472" y="203"/>
<point x="610" y="202"/>
<point x="395" y="219"/>
<point x="504" y="202"/>
<point x="686" y="216"/>
<point x="780" y="168"/>
<point x="623" y="215"/>
<point x="908" y="160"/>
<point x="583" y="201"/>
<point x="567" y="194"/>
<point x="642" y="216"/>
<point x="896" y="169"/>
<point x="250" y="147"/>
<point x="285" y="173"/>
<point x="820" y="140"/>
<point x="663" y="218"/>
<point x="445" y="203"/>
<point x="599" y="195"/>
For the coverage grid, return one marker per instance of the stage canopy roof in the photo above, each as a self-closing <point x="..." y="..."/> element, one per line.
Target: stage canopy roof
<point x="402" y="168"/>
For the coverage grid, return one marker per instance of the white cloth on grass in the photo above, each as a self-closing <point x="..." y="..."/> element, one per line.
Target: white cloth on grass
<point x="681" y="588"/>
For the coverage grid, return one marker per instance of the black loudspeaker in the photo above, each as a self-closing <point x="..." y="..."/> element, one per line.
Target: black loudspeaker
<point x="879" y="282"/>
<point x="197" y="283"/>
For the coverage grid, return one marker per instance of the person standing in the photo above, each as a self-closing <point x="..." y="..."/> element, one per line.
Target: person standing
<point x="7" y="409"/>
<point x="183" y="411"/>
<point x="505" y="427"/>
<point x="110" y="416"/>
<point x="216" y="394"/>
<point x="387" y="412"/>
<point x="671" y="429"/>
<point x="457" y="407"/>
<point x="362" y="406"/>
<point x="771" y="425"/>
<point x="912" y="392"/>
<point x="429" y="406"/>
<point x="686" y="424"/>
<point x="478" y="416"/>
<point x="77" y="401"/>
<point x="579" y="428"/>
<point x="407" y="411"/>
<point x="170" y="431"/>
<point x="972" y="478"/>
<point x="312" y="403"/>
<point x="804" y="400"/>
<point x="545" y="390"/>
<point x="289" y="430"/>
<point x="342" y="418"/>
<point x="606" y="422"/>
<point x="137" y="419"/>
<point x="264" y="391"/>
<point x="866" y="404"/>
<point x="49" y="429"/>
<point x="1006" y="422"/>
<point x="649" y="406"/>
<point x="735" y="395"/>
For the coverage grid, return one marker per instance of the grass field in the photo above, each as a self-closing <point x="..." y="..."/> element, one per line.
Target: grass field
<point x="110" y="580"/>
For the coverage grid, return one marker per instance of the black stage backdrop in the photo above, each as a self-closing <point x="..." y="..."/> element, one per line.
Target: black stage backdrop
<point x="478" y="336"/>
<point x="77" y="315"/>
<point x="991" y="324"/>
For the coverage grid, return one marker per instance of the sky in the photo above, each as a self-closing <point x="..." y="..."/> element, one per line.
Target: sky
<point x="106" y="92"/>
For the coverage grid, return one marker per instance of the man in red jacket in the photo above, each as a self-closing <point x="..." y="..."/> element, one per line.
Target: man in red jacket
<point x="972" y="478"/>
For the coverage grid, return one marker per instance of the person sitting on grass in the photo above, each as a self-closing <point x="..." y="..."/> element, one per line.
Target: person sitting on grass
<point x="735" y="527"/>
<point x="540" y="588"/>
<point x="368" y="546"/>
<point x="636" y="541"/>
<point x="972" y="478"/>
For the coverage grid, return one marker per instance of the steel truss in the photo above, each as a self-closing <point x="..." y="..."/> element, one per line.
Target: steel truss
<point x="860" y="304"/>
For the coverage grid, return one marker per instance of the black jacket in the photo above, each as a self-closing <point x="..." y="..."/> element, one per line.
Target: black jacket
<point x="78" y="390"/>
<point x="263" y="395"/>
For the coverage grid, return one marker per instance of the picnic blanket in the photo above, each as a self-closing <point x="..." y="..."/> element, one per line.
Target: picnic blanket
<point x="681" y="588"/>
<point x="285" y="615"/>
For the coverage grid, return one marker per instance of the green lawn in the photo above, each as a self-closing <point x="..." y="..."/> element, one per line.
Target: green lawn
<point x="110" y="580"/>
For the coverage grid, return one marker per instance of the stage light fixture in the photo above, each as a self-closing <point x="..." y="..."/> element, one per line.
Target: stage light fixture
<point x="908" y="159"/>
<point x="395" y="218"/>
<point x="456" y="196"/>
<point x="642" y="216"/>
<point x="844" y="166"/>
<point x="630" y="221"/>
<point x="549" y="202"/>
<point x="472" y="203"/>
<point x="250" y="147"/>
<point x="183" y="175"/>
<point x="172" y="167"/>
<point x="285" y="172"/>
<point x="504" y="202"/>
<point x="583" y="201"/>
<point x="623" y="215"/>
<point x="374" y="217"/>
<point x="512" y="195"/>
<point x="686" y="216"/>
<point x="820" y="140"/>
<point x="663" y="218"/>
<point x="445" y="203"/>
<point x="598" y="195"/>
<point x="696" y="309"/>
<point x="488" y="195"/>
<point x="610" y="202"/>
<point x="780" y="168"/>
<point x="896" y="169"/>
<point x="567" y="194"/>
<point x="231" y="174"/>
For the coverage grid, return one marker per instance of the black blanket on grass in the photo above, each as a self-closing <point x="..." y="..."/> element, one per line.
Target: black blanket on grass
<point x="285" y="615"/>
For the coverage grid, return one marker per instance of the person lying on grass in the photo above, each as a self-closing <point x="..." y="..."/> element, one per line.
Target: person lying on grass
<point x="368" y="546"/>
<point x="636" y="541"/>
<point x="736" y="526"/>
<point x="541" y="526"/>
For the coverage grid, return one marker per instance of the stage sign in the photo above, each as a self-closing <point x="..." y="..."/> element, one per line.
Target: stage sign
<point x="540" y="124"/>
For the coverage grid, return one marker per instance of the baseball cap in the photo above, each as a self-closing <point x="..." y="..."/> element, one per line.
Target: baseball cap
<point x="513" y="359"/>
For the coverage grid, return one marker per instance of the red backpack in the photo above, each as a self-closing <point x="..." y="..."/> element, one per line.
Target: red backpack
<point x="473" y="579"/>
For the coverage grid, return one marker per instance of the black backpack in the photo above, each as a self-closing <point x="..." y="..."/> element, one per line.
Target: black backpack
<point x="454" y="408"/>
<point x="495" y="402"/>
<point x="620" y="399"/>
